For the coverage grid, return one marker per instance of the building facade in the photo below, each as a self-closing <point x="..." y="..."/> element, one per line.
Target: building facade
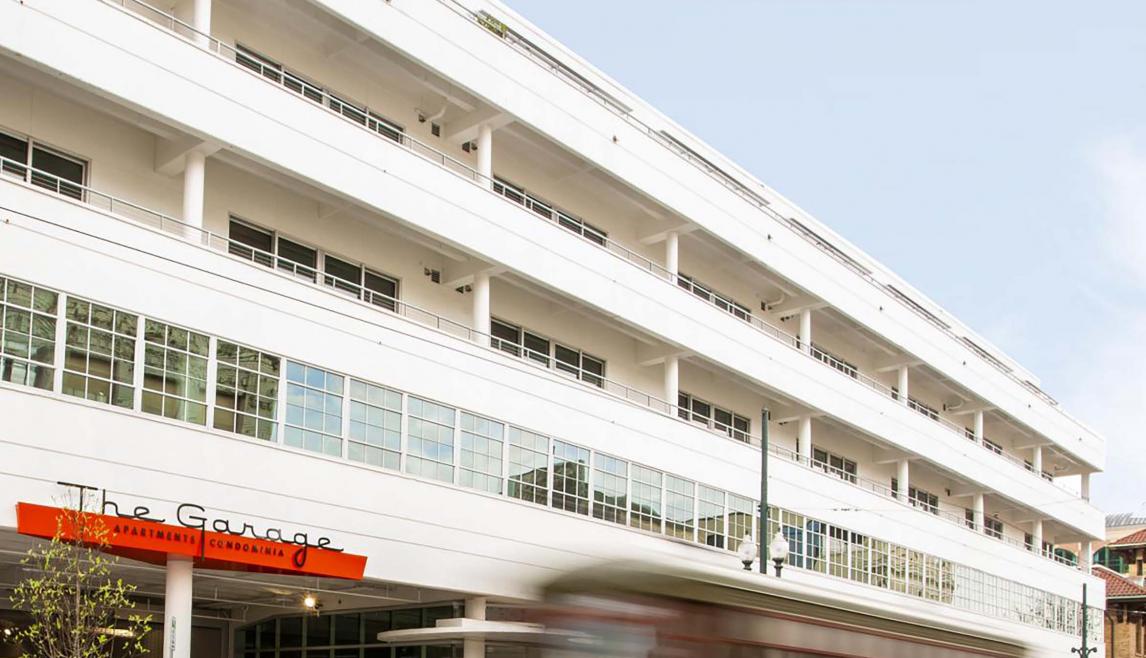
<point x="414" y="276"/>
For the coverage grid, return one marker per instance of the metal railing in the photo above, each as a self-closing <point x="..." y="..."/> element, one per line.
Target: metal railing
<point x="565" y="73"/>
<point x="575" y="225"/>
<point x="329" y="284"/>
<point x="360" y="115"/>
<point x="950" y="513"/>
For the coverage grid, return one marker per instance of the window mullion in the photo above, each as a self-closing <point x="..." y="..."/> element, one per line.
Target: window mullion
<point x="212" y="382"/>
<point x="60" y="350"/>
<point x="140" y="358"/>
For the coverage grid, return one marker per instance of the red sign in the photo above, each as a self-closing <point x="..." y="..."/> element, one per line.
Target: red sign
<point x="150" y="541"/>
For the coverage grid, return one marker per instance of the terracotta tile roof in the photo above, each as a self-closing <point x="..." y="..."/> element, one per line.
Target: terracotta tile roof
<point x="1133" y="539"/>
<point x="1117" y="585"/>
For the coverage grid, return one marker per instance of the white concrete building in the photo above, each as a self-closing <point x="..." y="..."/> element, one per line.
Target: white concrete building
<point x="411" y="274"/>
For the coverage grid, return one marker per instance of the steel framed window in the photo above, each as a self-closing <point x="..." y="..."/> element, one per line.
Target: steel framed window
<point x="313" y="409"/>
<point x="246" y="391"/>
<point x="710" y="516"/>
<point x="570" y="477"/>
<point x="481" y="453"/>
<point x="610" y="488"/>
<point x="99" y="359"/>
<point x="680" y="507"/>
<point x="375" y="431"/>
<point x="27" y="334"/>
<point x="175" y="372"/>
<point x="528" y="466"/>
<point x="645" y="502"/>
<point x="430" y="439"/>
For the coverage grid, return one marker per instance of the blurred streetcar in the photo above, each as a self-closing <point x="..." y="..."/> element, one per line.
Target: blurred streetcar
<point x="638" y="610"/>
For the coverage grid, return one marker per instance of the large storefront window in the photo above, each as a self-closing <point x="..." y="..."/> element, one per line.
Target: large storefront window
<point x="354" y="635"/>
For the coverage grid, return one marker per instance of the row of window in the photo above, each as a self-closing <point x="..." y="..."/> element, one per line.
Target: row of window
<point x="62" y="173"/>
<point x="268" y="248"/>
<point x="300" y="85"/>
<point x="723" y="302"/>
<point x="271" y="249"/>
<point x="692" y="408"/>
<point x="551" y="212"/>
<point x="118" y="358"/>
<point x="520" y="342"/>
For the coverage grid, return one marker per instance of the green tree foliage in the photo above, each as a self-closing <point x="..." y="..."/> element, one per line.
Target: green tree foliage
<point x="78" y="608"/>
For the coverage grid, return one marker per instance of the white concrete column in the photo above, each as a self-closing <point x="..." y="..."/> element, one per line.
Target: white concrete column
<point x="485" y="153"/>
<point x="979" y="427"/>
<point x="177" y="607"/>
<point x="475" y="609"/>
<point x="201" y="21"/>
<point x="903" y="476"/>
<point x="672" y="252"/>
<point x="978" y="508"/>
<point x="1037" y="535"/>
<point x="903" y="384"/>
<point x="1037" y="460"/>
<point x="804" y="438"/>
<point x="1084" y="486"/>
<point x="194" y="190"/>
<point x="480" y="291"/>
<point x="672" y="379"/>
<point x="1084" y="555"/>
<point x="806" y="330"/>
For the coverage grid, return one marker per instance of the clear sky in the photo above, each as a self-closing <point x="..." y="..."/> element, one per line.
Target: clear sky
<point x="991" y="153"/>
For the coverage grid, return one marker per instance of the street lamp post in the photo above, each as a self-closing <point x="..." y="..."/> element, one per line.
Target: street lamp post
<point x="762" y="533"/>
<point x="1084" y="651"/>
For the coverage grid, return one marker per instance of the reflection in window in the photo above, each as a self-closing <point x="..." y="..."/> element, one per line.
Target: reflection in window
<point x="680" y="495"/>
<point x="710" y="524"/>
<point x="175" y="372"/>
<point x="528" y="466"/>
<point x="314" y="409"/>
<point x="99" y="363"/>
<point x="741" y="519"/>
<point x="431" y="440"/>
<point x="481" y="447"/>
<point x="375" y="425"/>
<point x="646" y="501"/>
<point x="610" y="484"/>
<point x="246" y="391"/>
<point x="570" y="477"/>
<point x="27" y="334"/>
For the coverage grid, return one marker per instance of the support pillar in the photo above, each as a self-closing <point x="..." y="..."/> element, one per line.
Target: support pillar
<point x="1084" y="486"/>
<point x="1037" y="536"/>
<point x="903" y="384"/>
<point x="474" y="647"/>
<point x="1037" y="460"/>
<point x="1084" y="555"/>
<point x="672" y="379"/>
<point x="672" y="253"/>
<point x="177" y="607"/>
<point x="903" y="478"/>
<point x="201" y="21"/>
<point x="979" y="427"/>
<point x="485" y="153"/>
<point x="480" y="291"/>
<point x="804" y="439"/>
<point x="978" y="509"/>
<point x="194" y="182"/>
<point x="806" y="330"/>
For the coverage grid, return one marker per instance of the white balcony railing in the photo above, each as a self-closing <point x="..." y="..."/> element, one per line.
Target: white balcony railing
<point x="125" y="210"/>
<point x="555" y="67"/>
<point x="337" y="105"/>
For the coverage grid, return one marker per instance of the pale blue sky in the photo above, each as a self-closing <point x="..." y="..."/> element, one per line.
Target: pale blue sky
<point x="991" y="153"/>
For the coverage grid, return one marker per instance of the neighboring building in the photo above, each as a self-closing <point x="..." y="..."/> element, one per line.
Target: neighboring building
<point x="1124" y="625"/>
<point x="414" y="276"/>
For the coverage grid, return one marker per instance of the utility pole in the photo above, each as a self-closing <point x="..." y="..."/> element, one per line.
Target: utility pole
<point x="763" y="532"/>
<point x="1084" y="651"/>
